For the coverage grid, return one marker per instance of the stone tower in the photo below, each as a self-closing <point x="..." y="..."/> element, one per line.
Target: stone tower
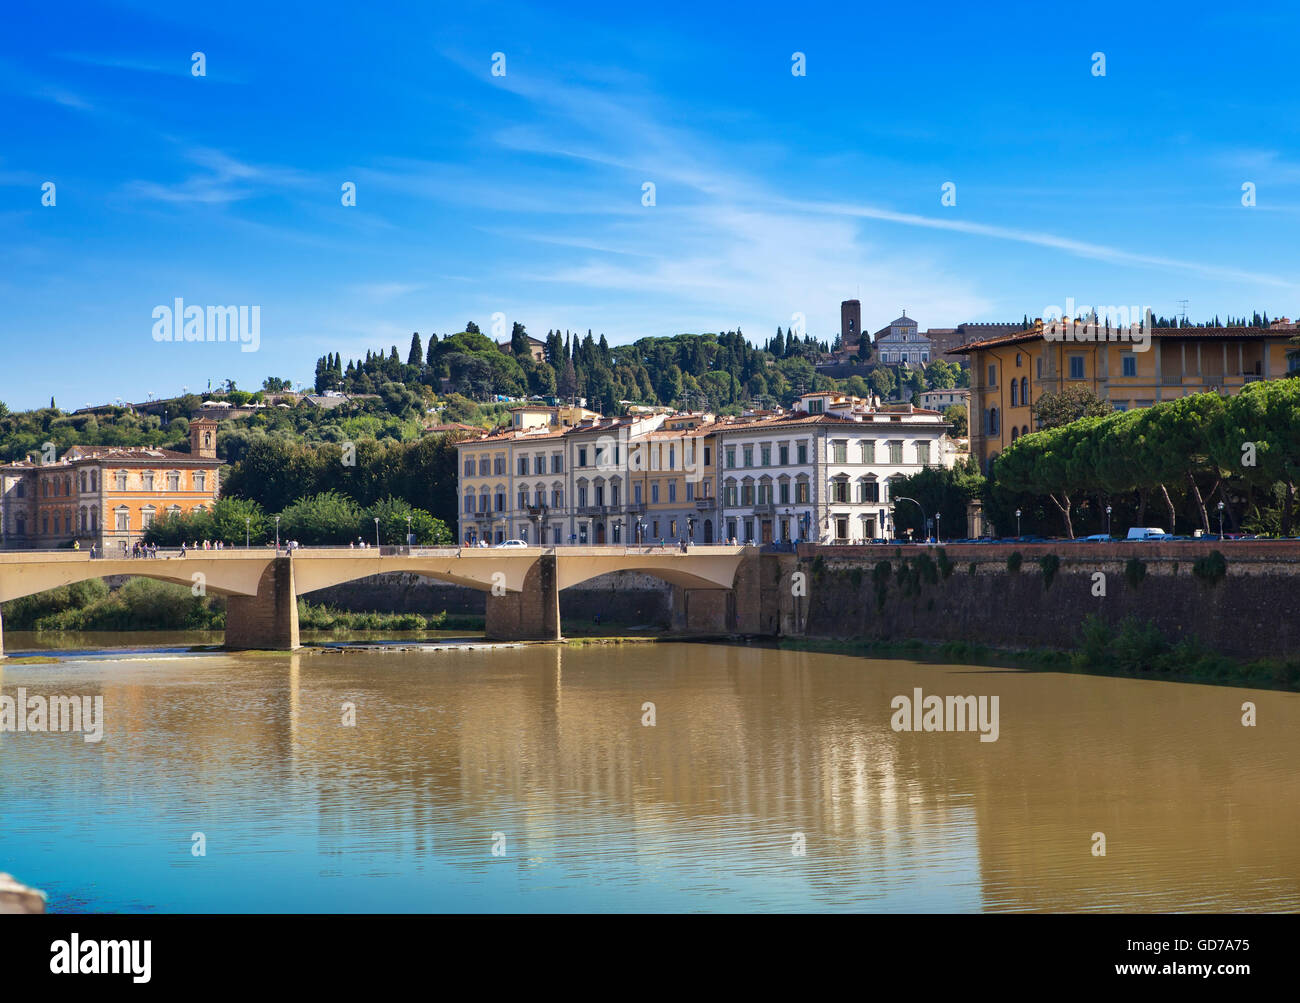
<point x="203" y="438"/>
<point x="850" y="324"/>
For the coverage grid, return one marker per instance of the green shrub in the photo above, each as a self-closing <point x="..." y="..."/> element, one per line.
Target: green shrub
<point x="1049" y="563"/>
<point x="1093" y="648"/>
<point x="1211" y="568"/>
<point x="1014" y="561"/>
<point x="1134" y="571"/>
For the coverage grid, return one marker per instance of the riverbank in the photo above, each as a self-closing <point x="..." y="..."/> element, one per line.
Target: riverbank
<point x="1137" y="655"/>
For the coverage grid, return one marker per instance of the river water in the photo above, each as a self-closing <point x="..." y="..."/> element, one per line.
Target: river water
<point x="524" y="779"/>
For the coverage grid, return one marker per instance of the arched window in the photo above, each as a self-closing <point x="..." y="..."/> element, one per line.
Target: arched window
<point x="994" y="424"/>
<point x="1024" y="391"/>
<point x="469" y="502"/>
<point x="1015" y="433"/>
<point x="1024" y="429"/>
<point x="120" y="477"/>
<point x="1015" y="386"/>
<point x="93" y="480"/>
<point x="173" y="480"/>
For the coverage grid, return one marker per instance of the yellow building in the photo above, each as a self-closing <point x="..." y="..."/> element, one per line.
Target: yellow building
<point x="673" y="482"/>
<point x="1010" y="372"/>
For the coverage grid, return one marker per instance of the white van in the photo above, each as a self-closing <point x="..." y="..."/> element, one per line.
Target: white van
<point x="1147" y="533"/>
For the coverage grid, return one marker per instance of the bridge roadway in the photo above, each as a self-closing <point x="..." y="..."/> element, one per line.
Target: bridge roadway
<point x="262" y="588"/>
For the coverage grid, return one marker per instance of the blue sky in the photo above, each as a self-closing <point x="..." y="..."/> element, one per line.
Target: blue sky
<point x="522" y="194"/>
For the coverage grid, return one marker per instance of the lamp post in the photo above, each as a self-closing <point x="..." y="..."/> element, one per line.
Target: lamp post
<point x="1220" y="520"/>
<point x="248" y="529"/>
<point x="1017" y="522"/>
<point x="277" y="536"/>
<point x="376" y="532"/>
<point x="925" y="523"/>
<point x="937" y="536"/>
<point x="1108" y="522"/>
<point x="408" y="529"/>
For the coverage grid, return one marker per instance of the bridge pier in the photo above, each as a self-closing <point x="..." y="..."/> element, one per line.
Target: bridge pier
<point x="703" y="611"/>
<point x="268" y="620"/>
<point x="532" y="614"/>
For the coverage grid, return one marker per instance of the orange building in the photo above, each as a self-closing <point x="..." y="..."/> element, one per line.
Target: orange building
<point x="106" y="496"/>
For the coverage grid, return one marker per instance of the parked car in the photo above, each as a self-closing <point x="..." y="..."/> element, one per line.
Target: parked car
<point x="1147" y="533"/>
<point x="1095" y="538"/>
<point x="510" y="543"/>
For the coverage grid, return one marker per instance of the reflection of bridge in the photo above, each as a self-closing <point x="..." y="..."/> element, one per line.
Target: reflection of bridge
<point x="522" y="584"/>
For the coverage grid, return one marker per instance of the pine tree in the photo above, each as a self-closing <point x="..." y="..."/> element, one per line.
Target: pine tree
<point x="416" y="355"/>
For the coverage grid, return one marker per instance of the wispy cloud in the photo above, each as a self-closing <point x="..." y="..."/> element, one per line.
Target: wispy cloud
<point x="223" y="179"/>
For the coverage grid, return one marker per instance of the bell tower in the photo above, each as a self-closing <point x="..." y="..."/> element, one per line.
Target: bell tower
<point x="203" y="438"/>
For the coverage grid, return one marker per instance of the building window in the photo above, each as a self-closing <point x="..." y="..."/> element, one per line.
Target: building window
<point x="1076" y="367"/>
<point x="923" y="453"/>
<point x="522" y="466"/>
<point x="868" y="447"/>
<point x="469" y="466"/>
<point x="499" y="465"/>
<point x="749" y="456"/>
<point x="802" y="453"/>
<point x="1024" y="391"/>
<point x="869" y="491"/>
<point x="1017" y="360"/>
<point x="582" y="456"/>
<point x="783" y="454"/>
<point x="485" y="466"/>
<point x="146" y="516"/>
<point x="1015" y="393"/>
<point x="801" y="493"/>
<point x="994" y="424"/>
<point x="839" y="451"/>
<point x="993" y="375"/>
<point x="839" y="490"/>
<point x="469" y="504"/>
<point x="730" y="492"/>
<point x="173" y="481"/>
<point x="672" y="491"/>
<point x="1129" y="364"/>
<point x="200" y="481"/>
<point x="557" y="463"/>
<point x="1040" y="367"/>
<point x="783" y="491"/>
<point x="501" y="501"/>
<point x="896" y="452"/>
<point x="120" y="477"/>
<point x="747" y="494"/>
<point x="816" y="405"/>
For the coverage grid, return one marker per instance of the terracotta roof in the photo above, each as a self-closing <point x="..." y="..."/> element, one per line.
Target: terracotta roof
<point x="1036" y="333"/>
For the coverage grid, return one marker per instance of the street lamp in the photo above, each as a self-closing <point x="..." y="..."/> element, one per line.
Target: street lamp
<point x="1220" y="520"/>
<point x="1017" y="522"/>
<point x="408" y="529"/>
<point x="937" y="536"/>
<point x="277" y="536"/>
<point x="248" y="528"/>
<point x="925" y="523"/>
<point x="376" y="532"/>
<point x="1108" y="522"/>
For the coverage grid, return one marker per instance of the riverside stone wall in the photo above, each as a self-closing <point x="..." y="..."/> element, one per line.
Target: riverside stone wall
<point x="1250" y="612"/>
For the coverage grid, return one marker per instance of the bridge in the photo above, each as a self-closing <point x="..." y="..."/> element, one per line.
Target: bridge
<point x="522" y="583"/>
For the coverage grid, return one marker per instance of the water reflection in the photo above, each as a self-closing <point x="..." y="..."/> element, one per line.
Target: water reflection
<point x="546" y="746"/>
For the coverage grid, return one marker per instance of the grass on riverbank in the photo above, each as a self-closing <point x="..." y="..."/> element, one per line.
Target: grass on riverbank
<point x="143" y="604"/>
<point x="140" y="604"/>
<point x="1136" y="650"/>
<point x="327" y="618"/>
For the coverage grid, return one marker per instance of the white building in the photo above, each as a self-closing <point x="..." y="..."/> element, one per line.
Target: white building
<point x="824" y="472"/>
<point x="901" y="343"/>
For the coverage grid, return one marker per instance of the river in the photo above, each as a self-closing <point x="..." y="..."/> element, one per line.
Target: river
<point x="524" y="779"/>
